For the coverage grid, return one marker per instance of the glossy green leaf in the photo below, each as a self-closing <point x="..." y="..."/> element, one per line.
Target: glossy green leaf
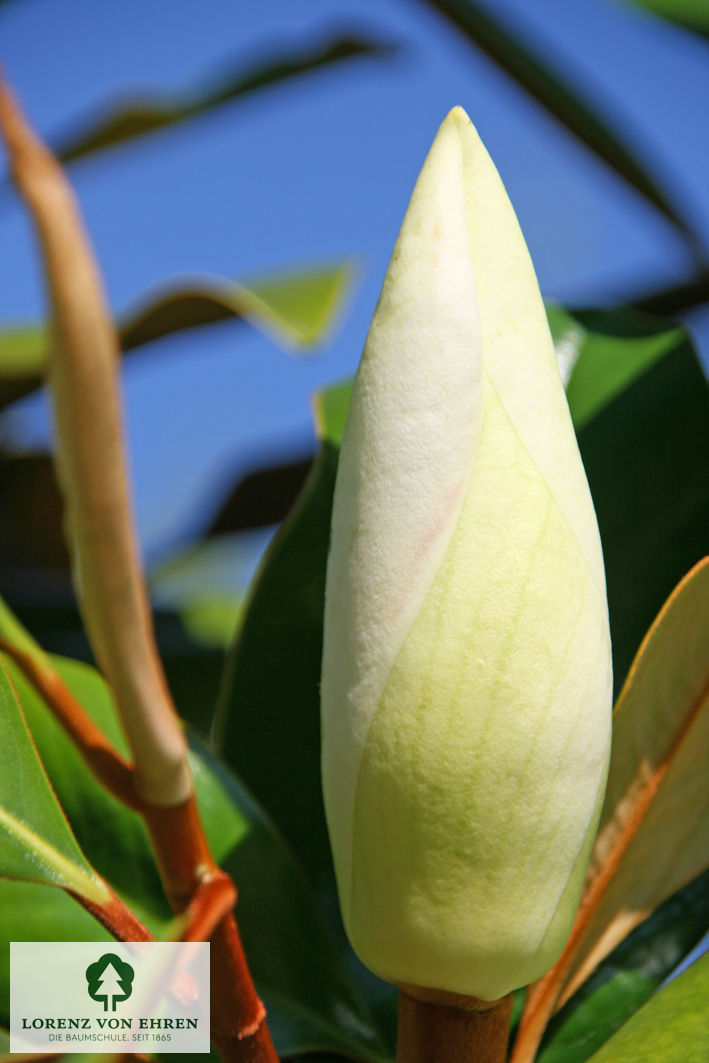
<point x="628" y="976"/>
<point x="277" y="721"/>
<point x="140" y="115"/>
<point x="597" y="366"/>
<point x="36" y="843"/>
<point x="692" y="14"/>
<point x="298" y="969"/>
<point x="296" y="309"/>
<point x="673" y="1027"/>
<point x="542" y="79"/>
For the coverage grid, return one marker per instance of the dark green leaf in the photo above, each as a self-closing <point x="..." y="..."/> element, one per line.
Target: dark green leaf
<point x="677" y="298"/>
<point x="646" y="454"/>
<point x="543" y="81"/>
<point x="673" y="1027"/>
<point x="296" y="309"/>
<point x="627" y="978"/>
<point x="266" y="722"/>
<point x="692" y="14"/>
<point x="131" y="118"/>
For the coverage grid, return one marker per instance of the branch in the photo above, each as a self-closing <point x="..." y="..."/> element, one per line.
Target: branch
<point x="109" y="767"/>
<point x="91" y="467"/>
<point x="118" y="919"/>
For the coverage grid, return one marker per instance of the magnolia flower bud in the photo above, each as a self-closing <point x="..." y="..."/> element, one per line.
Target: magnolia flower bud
<point x="466" y="680"/>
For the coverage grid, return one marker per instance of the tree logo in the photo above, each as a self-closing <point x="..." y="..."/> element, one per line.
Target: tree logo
<point x="110" y="979"/>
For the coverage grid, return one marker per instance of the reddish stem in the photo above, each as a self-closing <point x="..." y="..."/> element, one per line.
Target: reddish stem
<point x="109" y="767"/>
<point x="118" y="919"/>
<point x="238" y="1028"/>
<point x="214" y="899"/>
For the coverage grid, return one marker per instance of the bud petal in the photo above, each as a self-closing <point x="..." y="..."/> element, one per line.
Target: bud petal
<point x="466" y="669"/>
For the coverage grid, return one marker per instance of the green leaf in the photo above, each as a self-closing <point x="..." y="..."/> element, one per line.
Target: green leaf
<point x="29" y="912"/>
<point x="673" y="1027"/>
<point x="628" y="976"/>
<point x="140" y="115"/>
<point x="277" y="721"/>
<point x="36" y="843"/>
<point x="543" y="81"/>
<point x="311" y="998"/>
<point x="692" y="14"/>
<point x="598" y="366"/>
<point x="297" y="310"/>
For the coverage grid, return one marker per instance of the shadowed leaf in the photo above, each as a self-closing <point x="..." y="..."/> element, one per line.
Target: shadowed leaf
<point x="147" y="113"/>
<point x="542" y="80"/>
<point x="296" y="309"/>
<point x="692" y="14"/>
<point x="646" y="455"/>
<point x="675" y="299"/>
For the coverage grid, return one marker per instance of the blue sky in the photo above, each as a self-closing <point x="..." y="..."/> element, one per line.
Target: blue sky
<point x="319" y="170"/>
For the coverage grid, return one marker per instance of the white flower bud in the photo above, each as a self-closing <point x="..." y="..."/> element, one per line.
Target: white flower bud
<point x="466" y="681"/>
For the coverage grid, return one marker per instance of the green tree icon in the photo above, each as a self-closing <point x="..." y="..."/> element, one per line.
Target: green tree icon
<point x="110" y="979"/>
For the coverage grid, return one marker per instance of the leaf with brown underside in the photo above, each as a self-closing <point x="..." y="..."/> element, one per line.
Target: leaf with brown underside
<point x="654" y="832"/>
<point x="655" y="823"/>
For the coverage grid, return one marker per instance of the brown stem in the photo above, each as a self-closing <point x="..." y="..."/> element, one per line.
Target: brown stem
<point x="239" y="1030"/>
<point x="214" y="899"/>
<point x="109" y="767"/>
<point x="439" y="1027"/>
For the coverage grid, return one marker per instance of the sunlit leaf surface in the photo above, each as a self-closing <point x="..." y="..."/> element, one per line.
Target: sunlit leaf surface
<point x="36" y="843"/>
<point x="671" y="1028"/>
